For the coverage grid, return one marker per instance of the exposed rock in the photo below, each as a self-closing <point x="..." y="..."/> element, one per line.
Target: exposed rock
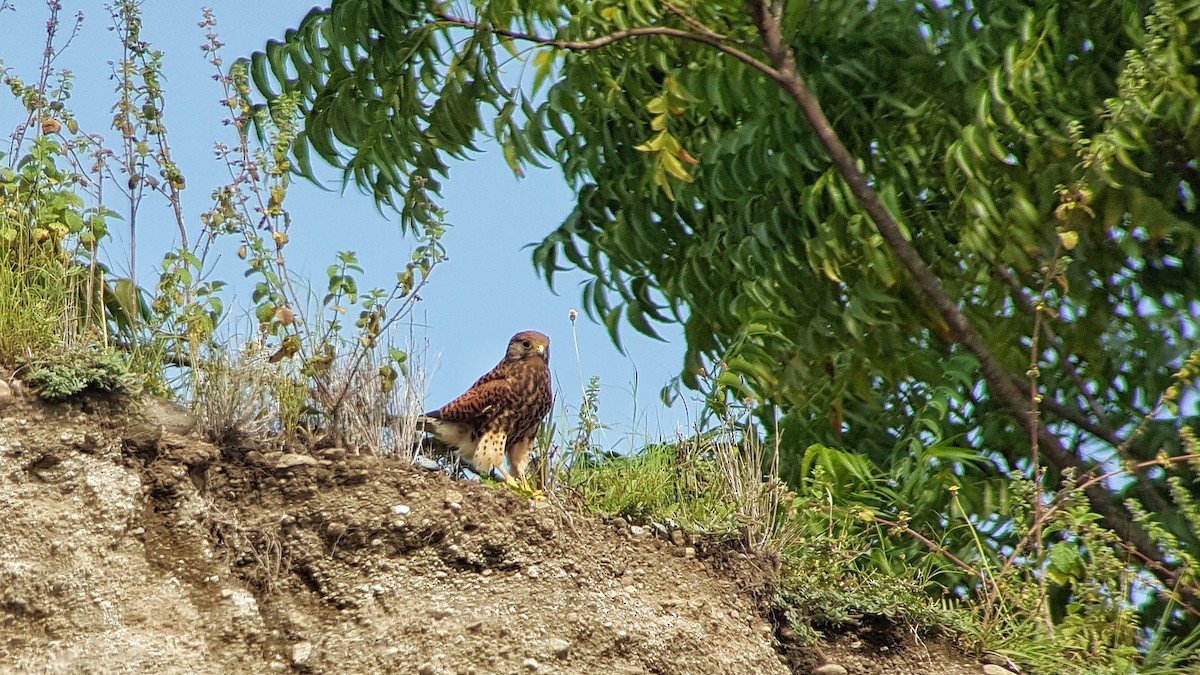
<point x="292" y="460"/>
<point x="301" y="651"/>
<point x="171" y="417"/>
<point x="558" y="648"/>
<point x="142" y="436"/>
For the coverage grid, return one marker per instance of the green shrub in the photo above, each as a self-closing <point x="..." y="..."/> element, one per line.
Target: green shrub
<point x="60" y="374"/>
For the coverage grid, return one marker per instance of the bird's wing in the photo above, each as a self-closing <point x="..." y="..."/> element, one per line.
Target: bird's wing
<point x="479" y="401"/>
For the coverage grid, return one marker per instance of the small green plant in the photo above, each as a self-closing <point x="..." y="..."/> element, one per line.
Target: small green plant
<point x="59" y="374"/>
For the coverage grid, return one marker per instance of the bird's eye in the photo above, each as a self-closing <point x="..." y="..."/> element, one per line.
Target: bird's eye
<point x="527" y="344"/>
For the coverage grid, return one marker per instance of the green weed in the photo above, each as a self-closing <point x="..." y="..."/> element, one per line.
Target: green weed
<point x="61" y="373"/>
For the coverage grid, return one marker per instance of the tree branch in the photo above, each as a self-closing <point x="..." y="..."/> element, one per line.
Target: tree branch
<point x="999" y="380"/>
<point x="708" y="37"/>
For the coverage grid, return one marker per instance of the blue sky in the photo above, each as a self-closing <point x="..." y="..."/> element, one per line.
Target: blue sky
<point x="487" y="291"/>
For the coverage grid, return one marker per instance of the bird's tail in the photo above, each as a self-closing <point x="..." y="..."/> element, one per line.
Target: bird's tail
<point x="428" y="425"/>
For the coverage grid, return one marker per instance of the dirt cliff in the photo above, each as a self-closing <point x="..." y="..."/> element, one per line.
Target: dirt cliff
<point x="127" y="545"/>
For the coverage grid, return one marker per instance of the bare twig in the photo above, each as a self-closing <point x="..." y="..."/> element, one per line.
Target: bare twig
<point x="1023" y="301"/>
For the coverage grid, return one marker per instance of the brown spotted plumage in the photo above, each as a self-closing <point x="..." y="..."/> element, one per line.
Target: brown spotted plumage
<point x="499" y="415"/>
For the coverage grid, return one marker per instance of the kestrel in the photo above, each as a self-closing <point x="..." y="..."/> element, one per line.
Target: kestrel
<point x="499" y="415"/>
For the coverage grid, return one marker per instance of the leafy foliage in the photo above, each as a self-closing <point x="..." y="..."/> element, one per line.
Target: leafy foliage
<point x="1037" y="158"/>
<point x="967" y="121"/>
<point x="60" y="374"/>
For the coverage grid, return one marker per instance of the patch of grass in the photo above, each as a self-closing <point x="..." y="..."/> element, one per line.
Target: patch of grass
<point x="665" y="482"/>
<point x="714" y="484"/>
<point x="38" y="297"/>
<point x="61" y="373"/>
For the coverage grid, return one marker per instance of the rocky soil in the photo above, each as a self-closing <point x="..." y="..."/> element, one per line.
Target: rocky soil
<point x="128" y="545"/>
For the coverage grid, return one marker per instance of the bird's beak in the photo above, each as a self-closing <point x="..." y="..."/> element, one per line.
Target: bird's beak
<point x="541" y="349"/>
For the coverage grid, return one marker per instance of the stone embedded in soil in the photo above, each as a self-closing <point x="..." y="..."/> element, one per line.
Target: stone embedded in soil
<point x="423" y="462"/>
<point x="301" y="651"/>
<point x="530" y="664"/>
<point x="333" y="453"/>
<point x="292" y="460"/>
<point x="143" y="436"/>
<point x="558" y="647"/>
<point x="638" y="531"/>
<point x="830" y="669"/>
<point x="992" y="669"/>
<point x="169" y="416"/>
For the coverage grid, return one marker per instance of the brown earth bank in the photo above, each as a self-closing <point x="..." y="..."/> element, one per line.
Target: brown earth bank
<point x="127" y="545"/>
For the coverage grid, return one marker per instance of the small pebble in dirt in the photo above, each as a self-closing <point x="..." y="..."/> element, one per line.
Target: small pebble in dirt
<point x="530" y="664"/>
<point x="993" y="669"/>
<point x="301" y="651"/>
<point x="454" y="506"/>
<point x="689" y="552"/>
<point x="830" y="669"/>
<point x="401" y="509"/>
<point x="559" y="647"/>
<point x="426" y="669"/>
<point x="532" y="572"/>
<point x="638" y="531"/>
<point x="453" y="496"/>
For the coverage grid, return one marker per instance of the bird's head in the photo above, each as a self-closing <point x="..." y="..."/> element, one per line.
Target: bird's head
<point x="528" y="344"/>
